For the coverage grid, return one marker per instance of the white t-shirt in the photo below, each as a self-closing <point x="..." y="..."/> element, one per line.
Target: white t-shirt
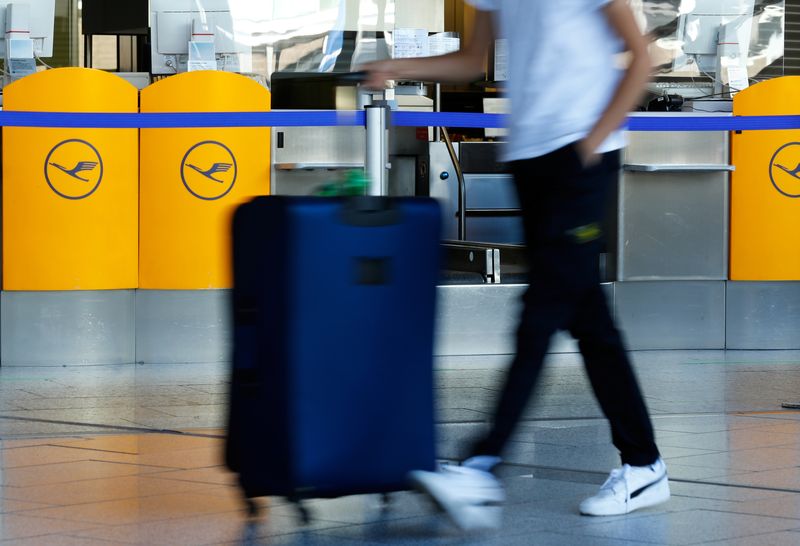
<point x="562" y="72"/>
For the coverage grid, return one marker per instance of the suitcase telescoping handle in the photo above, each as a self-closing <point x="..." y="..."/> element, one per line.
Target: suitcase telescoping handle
<point x="370" y="211"/>
<point x="352" y="77"/>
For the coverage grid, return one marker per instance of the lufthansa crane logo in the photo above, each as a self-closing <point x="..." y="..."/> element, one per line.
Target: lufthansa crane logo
<point x="784" y="170"/>
<point x="73" y="169"/>
<point x="209" y="170"/>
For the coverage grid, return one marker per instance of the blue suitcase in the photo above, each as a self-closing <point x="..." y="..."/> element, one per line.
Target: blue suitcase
<point x="333" y="303"/>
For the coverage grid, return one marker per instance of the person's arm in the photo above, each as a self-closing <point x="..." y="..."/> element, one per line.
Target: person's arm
<point x="463" y="66"/>
<point x="630" y="89"/>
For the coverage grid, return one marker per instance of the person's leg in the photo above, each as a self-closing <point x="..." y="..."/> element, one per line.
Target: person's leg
<point x="642" y="480"/>
<point x="601" y="345"/>
<point x="613" y="381"/>
<point x="539" y="321"/>
<point x="547" y="198"/>
<point x="470" y="493"/>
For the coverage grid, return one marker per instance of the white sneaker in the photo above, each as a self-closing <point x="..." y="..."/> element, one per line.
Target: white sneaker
<point x="629" y="488"/>
<point x="482" y="462"/>
<point x="470" y="497"/>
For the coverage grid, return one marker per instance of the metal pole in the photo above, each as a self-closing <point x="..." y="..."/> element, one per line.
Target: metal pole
<point x="462" y="187"/>
<point x="437" y="107"/>
<point x="377" y="148"/>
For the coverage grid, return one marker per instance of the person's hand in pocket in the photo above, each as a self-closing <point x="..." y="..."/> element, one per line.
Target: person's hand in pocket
<point x="587" y="153"/>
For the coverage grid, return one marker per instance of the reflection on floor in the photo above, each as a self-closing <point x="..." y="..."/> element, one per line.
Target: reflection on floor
<point x="94" y="456"/>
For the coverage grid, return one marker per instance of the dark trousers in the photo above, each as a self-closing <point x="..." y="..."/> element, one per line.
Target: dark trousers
<point x="563" y="206"/>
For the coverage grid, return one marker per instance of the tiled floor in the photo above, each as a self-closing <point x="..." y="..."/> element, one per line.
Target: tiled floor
<point x="94" y="456"/>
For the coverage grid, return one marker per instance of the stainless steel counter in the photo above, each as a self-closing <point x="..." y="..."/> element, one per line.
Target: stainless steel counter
<point x="673" y="206"/>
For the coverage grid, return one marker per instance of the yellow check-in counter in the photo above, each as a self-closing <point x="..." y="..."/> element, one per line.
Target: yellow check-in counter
<point x="70" y="224"/>
<point x="765" y="187"/>
<point x="70" y="196"/>
<point x="193" y="179"/>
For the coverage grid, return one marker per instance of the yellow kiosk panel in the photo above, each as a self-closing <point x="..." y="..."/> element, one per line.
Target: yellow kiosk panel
<point x="193" y="179"/>
<point x="70" y="196"/>
<point x="765" y="190"/>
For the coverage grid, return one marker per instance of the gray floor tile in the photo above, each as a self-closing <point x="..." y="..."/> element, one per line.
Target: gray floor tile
<point x="706" y="423"/>
<point x="683" y="472"/>
<point x="730" y="440"/>
<point x="784" y="478"/>
<point x="723" y="492"/>
<point x="566" y="495"/>
<point x="557" y="539"/>
<point x="678" y="528"/>
<point x="430" y="529"/>
<point x="295" y="539"/>
<point x="786" y="506"/>
<point x="760" y="459"/>
<point x="362" y="508"/>
<point x="770" y="539"/>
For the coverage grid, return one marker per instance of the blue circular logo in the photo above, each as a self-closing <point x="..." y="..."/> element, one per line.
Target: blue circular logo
<point x="73" y="169"/>
<point x="784" y="170"/>
<point x="209" y="170"/>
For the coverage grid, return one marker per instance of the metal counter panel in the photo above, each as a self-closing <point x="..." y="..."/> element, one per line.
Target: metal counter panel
<point x="182" y="326"/>
<point x="673" y="226"/>
<point x="671" y="314"/>
<point x="482" y="320"/>
<point x="763" y="315"/>
<point x="319" y="145"/>
<point x="673" y="207"/>
<point x="306" y="158"/>
<point x="67" y="328"/>
<point x="667" y="147"/>
<point x="477" y="319"/>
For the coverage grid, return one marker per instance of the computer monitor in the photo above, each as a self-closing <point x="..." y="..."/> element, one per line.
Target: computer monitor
<point x="699" y="31"/>
<point x="115" y="17"/>
<point x="42" y="17"/>
<point x="171" y="30"/>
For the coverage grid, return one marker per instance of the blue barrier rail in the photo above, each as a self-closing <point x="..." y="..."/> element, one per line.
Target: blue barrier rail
<point x="353" y="118"/>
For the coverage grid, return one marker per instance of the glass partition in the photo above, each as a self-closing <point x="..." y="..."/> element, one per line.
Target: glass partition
<point x="696" y="40"/>
<point x="264" y="36"/>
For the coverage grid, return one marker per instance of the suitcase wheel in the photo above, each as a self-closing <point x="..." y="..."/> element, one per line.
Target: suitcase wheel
<point x="386" y="502"/>
<point x="303" y="511"/>
<point x="253" y="510"/>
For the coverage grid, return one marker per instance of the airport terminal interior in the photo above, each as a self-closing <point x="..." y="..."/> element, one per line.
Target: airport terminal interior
<point x="118" y="326"/>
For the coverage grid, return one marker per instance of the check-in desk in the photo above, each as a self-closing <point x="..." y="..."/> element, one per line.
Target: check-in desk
<point x="667" y="264"/>
<point x="763" y="298"/>
<point x="481" y="317"/>
<point x="673" y="237"/>
<point x="70" y="225"/>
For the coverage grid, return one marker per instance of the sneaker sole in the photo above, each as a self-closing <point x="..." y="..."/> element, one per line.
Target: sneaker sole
<point x="654" y="494"/>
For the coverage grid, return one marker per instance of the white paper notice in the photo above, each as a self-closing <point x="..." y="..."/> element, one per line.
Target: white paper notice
<point x="500" y="60"/>
<point x="411" y="42"/>
<point x="738" y="79"/>
<point x="442" y="44"/>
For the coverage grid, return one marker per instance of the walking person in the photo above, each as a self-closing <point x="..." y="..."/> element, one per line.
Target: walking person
<point x="568" y="100"/>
